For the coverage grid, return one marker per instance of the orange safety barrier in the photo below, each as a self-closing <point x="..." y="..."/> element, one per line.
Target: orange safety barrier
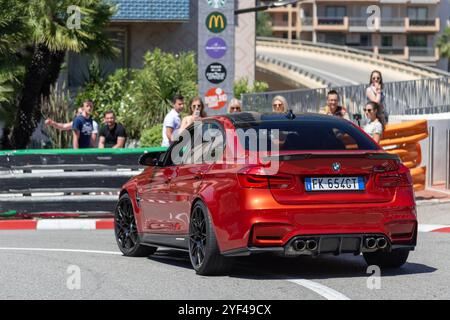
<point x="404" y="138"/>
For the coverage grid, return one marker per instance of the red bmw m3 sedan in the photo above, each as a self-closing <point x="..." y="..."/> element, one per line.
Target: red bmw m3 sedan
<point x="251" y="183"/>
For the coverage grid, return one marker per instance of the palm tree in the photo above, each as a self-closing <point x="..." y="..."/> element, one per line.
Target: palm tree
<point x="13" y="32"/>
<point x="50" y="39"/>
<point x="444" y="44"/>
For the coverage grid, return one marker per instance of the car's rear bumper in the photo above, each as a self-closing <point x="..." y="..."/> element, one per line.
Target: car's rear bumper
<point x="325" y="244"/>
<point x="261" y="223"/>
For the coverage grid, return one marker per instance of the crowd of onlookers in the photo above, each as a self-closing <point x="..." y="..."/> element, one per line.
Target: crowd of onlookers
<point x="374" y="110"/>
<point x="86" y="133"/>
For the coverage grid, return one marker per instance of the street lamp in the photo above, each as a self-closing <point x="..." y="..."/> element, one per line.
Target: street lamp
<point x="267" y="6"/>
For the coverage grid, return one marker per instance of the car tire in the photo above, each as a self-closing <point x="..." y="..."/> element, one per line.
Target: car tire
<point x="204" y="252"/>
<point x="393" y="259"/>
<point x="125" y="230"/>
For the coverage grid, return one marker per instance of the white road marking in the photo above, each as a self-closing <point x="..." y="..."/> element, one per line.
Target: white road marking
<point x="61" y="250"/>
<point x="431" y="227"/>
<point x="324" y="291"/>
<point x="66" y="224"/>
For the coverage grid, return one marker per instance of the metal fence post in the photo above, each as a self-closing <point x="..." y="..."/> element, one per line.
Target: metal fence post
<point x="430" y="156"/>
<point x="447" y="162"/>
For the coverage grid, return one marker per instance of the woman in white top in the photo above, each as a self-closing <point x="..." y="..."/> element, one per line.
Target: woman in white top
<point x="374" y="93"/>
<point x="375" y="126"/>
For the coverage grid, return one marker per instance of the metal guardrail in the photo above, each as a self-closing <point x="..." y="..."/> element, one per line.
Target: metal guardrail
<point x="35" y="181"/>
<point x="420" y="96"/>
<point x="362" y="53"/>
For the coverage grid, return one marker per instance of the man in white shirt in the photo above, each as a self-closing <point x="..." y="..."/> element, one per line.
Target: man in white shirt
<point x="172" y="121"/>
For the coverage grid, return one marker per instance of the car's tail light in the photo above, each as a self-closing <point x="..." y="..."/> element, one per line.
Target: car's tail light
<point x="400" y="178"/>
<point x="256" y="177"/>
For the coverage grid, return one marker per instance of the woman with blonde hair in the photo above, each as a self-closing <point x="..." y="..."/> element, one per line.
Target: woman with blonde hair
<point x="197" y="111"/>
<point x="279" y="104"/>
<point x="234" y="106"/>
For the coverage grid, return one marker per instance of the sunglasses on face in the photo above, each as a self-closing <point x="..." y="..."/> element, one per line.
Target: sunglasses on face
<point x="196" y="105"/>
<point x="235" y="108"/>
<point x="277" y="105"/>
<point x="368" y="110"/>
<point x="375" y="78"/>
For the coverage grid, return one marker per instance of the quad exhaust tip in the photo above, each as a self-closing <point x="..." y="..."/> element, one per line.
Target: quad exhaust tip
<point x="371" y="243"/>
<point x="299" y="245"/>
<point x="381" y="243"/>
<point x="311" y="245"/>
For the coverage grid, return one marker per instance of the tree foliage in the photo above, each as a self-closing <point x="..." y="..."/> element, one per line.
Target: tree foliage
<point x="34" y="39"/>
<point x="443" y="44"/>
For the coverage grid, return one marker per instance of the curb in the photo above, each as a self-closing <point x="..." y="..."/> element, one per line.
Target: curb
<point x="58" y="224"/>
<point x="108" y="224"/>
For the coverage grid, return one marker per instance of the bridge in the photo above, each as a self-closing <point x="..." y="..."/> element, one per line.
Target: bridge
<point x="314" y="65"/>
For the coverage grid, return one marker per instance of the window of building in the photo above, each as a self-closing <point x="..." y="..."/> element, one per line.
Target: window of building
<point x="285" y="17"/>
<point x="78" y="65"/>
<point x="417" y="13"/>
<point x="386" y="41"/>
<point x="417" y="40"/>
<point x="335" y="12"/>
<point x="366" y="40"/>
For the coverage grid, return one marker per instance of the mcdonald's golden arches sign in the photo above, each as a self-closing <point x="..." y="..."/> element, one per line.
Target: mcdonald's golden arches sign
<point x="216" y="22"/>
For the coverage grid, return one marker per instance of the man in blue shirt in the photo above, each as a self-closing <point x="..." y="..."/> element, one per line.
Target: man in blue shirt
<point x="82" y="127"/>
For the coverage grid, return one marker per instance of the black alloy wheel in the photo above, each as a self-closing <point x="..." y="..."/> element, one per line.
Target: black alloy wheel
<point x="204" y="252"/>
<point x="126" y="231"/>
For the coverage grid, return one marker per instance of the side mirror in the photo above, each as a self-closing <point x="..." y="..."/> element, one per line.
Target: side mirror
<point x="152" y="159"/>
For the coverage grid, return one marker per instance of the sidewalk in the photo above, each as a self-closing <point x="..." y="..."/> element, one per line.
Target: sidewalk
<point x="435" y="194"/>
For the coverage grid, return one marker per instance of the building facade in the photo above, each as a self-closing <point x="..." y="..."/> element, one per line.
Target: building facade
<point x="140" y="26"/>
<point x="406" y="29"/>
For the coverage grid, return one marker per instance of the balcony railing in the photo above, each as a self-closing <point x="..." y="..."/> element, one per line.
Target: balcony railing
<point x="392" y="50"/>
<point x="330" y="21"/>
<point x="422" y="22"/>
<point x="422" y="52"/>
<point x="358" y="22"/>
<point x="307" y="21"/>
<point x="392" y="22"/>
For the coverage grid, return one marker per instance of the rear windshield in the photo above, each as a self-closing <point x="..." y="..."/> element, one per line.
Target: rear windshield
<point x="305" y="135"/>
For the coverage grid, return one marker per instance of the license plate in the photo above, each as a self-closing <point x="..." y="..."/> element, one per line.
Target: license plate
<point x="334" y="183"/>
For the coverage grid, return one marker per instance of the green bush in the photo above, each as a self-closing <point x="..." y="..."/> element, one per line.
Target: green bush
<point x="151" y="137"/>
<point x="242" y="86"/>
<point x="141" y="98"/>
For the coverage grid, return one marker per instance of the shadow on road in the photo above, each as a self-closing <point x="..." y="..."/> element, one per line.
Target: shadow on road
<point x="275" y="267"/>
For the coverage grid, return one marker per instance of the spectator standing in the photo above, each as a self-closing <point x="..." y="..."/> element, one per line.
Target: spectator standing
<point x="172" y="121"/>
<point x="374" y="93"/>
<point x="112" y="134"/>
<point x="197" y="109"/>
<point x="333" y="108"/>
<point x="83" y="128"/>
<point x="234" y="106"/>
<point x="68" y="125"/>
<point x="375" y="126"/>
<point x="279" y="104"/>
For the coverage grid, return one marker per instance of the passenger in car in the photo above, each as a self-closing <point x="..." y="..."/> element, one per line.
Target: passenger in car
<point x="333" y="108"/>
<point x="279" y="104"/>
<point x="234" y="106"/>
